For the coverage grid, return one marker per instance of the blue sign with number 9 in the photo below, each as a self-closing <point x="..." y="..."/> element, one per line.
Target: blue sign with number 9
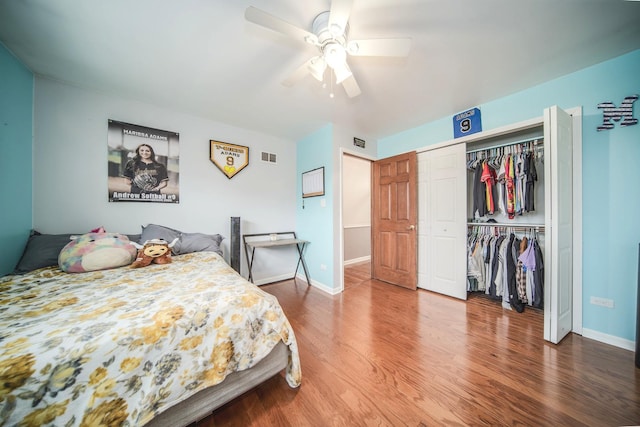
<point x="466" y="123"/>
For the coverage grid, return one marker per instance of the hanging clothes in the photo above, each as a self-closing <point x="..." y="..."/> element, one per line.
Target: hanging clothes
<point x="496" y="274"/>
<point x="488" y="177"/>
<point x="528" y="260"/>
<point x="519" y="178"/>
<point x="538" y="299"/>
<point x="505" y="268"/>
<point x="504" y="179"/>
<point x="479" y="194"/>
<point x="514" y="300"/>
<point x="531" y="176"/>
<point x="521" y="272"/>
<point x="500" y="179"/>
<point x="510" y="188"/>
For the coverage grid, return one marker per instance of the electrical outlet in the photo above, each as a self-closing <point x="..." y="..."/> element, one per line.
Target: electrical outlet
<point x="323" y="267"/>
<point x="602" y="302"/>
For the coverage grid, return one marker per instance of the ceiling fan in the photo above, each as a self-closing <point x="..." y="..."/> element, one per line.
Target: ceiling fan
<point x="329" y="33"/>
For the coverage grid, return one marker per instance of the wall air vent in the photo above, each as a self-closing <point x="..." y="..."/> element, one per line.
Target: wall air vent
<point x="268" y="157"/>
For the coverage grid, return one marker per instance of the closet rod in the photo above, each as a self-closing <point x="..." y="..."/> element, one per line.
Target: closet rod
<point x="506" y="225"/>
<point x="506" y="144"/>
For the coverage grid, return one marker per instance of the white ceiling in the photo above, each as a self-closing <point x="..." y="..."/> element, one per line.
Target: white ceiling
<point x="201" y="56"/>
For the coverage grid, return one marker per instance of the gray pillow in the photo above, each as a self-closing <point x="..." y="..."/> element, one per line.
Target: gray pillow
<point x="187" y="242"/>
<point x="134" y="237"/>
<point x="42" y="250"/>
<point x="198" y="242"/>
<point x="153" y="231"/>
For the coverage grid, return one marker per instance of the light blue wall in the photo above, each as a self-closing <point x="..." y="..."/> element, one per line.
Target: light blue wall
<point x="611" y="178"/>
<point x="315" y="222"/>
<point x="16" y="117"/>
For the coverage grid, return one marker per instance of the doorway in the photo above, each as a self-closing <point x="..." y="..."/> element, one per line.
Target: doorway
<point x="378" y="217"/>
<point x="356" y="217"/>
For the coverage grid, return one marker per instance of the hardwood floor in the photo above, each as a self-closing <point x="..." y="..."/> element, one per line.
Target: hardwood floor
<point x="382" y="355"/>
<point x="356" y="274"/>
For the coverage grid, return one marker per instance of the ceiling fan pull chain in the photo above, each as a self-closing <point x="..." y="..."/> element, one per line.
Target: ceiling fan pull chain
<point x="331" y="84"/>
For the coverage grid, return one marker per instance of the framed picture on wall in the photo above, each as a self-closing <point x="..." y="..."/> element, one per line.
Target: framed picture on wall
<point x="313" y="183"/>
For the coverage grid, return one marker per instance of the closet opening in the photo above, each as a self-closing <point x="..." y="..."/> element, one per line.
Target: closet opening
<point x="450" y="212"/>
<point x="506" y="220"/>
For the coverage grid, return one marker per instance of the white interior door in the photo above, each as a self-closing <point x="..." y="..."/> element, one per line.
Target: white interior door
<point x="442" y="218"/>
<point x="558" y="157"/>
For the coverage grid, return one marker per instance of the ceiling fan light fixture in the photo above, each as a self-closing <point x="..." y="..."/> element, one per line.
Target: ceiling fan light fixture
<point x="317" y="66"/>
<point x="335" y="55"/>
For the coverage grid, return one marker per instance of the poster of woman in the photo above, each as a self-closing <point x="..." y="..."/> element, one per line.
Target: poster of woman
<point x="143" y="164"/>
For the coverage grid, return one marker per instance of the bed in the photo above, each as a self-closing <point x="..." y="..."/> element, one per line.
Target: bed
<point x="159" y="345"/>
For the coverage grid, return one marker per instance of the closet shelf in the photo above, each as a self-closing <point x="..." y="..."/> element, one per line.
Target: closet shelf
<point x="538" y="142"/>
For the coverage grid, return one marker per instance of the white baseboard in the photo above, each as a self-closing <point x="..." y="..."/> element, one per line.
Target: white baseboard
<point x="314" y="283"/>
<point x="357" y="260"/>
<point x="609" y="339"/>
<point x="321" y="286"/>
<point x="267" y="280"/>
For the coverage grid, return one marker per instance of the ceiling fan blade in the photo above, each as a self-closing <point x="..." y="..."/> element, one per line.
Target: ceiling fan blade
<point x="379" y="47"/>
<point x="267" y="20"/>
<point x="342" y="72"/>
<point x="351" y="87"/>
<point x="299" y="73"/>
<point x="339" y="16"/>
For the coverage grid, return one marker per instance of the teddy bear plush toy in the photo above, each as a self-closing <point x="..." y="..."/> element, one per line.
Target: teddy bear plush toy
<point x="153" y="251"/>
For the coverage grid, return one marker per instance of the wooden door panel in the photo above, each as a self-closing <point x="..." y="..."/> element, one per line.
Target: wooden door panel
<point x="394" y="213"/>
<point x="385" y="170"/>
<point x="384" y="250"/>
<point x="402" y="168"/>
<point x="403" y="244"/>
<point x="383" y="209"/>
<point x="402" y="200"/>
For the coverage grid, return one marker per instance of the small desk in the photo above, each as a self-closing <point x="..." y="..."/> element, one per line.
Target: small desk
<point x="287" y="238"/>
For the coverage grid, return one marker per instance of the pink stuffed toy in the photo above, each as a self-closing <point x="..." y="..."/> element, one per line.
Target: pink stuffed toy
<point x="97" y="250"/>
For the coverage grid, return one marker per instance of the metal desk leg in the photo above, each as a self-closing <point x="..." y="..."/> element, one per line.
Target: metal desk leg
<point x="253" y="251"/>
<point x="304" y="265"/>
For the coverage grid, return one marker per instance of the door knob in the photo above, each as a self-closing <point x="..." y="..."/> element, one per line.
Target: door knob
<point x="411" y="227"/>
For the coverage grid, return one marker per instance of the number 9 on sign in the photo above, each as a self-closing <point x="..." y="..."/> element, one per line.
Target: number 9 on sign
<point x="465" y="125"/>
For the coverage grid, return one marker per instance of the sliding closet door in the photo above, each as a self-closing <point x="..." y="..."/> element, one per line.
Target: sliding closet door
<point x="558" y="294"/>
<point x="442" y="214"/>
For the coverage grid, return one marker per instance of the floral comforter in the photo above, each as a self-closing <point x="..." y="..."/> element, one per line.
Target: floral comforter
<point x="116" y="347"/>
